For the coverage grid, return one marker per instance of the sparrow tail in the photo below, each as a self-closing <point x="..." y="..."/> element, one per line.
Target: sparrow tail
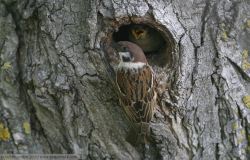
<point x="143" y="133"/>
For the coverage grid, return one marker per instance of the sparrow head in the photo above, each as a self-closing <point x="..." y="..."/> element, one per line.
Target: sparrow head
<point x="130" y="52"/>
<point x="139" y="31"/>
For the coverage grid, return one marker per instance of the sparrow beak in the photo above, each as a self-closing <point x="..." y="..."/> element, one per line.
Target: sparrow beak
<point x="138" y="33"/>
<point x="118" y="49"/>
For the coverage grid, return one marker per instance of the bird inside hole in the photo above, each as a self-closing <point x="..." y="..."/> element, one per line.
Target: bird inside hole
<point x="135" y="82"/>
<point x="146" y="37"/>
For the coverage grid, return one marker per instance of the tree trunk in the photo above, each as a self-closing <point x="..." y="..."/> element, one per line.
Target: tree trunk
<point x="56" y="95"/>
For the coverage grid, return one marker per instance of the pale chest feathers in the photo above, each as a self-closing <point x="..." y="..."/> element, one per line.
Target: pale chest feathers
<point x="131" y="66"/>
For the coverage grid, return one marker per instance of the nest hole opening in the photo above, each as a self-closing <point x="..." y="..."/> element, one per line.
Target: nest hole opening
<point x="156" y="44"/>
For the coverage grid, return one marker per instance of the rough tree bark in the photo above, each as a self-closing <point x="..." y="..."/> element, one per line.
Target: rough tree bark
<point x="56" y="97"/>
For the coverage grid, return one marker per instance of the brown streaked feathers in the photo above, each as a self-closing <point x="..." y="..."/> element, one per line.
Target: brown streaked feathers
<point x="137" y="93"/>
<point x="136" y="86"/>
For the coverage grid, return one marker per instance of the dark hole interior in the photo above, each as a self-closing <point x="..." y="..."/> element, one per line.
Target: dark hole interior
<point x="159" y="56"/>
<point x="122" y="34"/>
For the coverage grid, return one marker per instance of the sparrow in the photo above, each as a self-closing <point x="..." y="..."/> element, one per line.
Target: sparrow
<point x="136" y="87"/>
<point x="147" y="38"/>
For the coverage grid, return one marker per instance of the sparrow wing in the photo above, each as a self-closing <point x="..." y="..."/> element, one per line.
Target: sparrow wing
<point x="137" y="95"/>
